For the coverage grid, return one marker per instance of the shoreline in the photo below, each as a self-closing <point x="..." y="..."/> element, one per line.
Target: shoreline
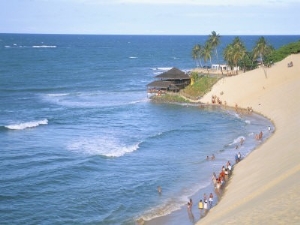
<point x="264" y="187"/>
<point x="192" y="217"/>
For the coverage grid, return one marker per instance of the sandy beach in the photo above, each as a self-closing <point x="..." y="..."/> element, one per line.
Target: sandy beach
<point x="264" y="187"/>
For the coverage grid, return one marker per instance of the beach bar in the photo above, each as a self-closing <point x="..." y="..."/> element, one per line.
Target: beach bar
<point x="172" y="80"/>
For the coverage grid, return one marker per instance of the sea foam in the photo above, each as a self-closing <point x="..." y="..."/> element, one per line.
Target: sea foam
<point x="104" y="146"/>
<point x="31" y="124"/>
<point x="44" y="46"/>
<point x="172" y="204"/>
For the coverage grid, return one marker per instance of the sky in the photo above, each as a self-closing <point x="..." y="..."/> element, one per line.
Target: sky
<point x="151" y="17"/>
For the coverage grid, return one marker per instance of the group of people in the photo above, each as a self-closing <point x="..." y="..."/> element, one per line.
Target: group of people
<point x="223" y="177"/>
<point x="206" y="203"/>
<point x="210" y="158"/>
<point x="248" y="110"/>
<point x="215" y="99"/>
<point x="203" y="205"/>
<point x="218" y="181"/>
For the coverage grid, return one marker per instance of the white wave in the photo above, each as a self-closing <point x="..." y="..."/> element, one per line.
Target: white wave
<point x="140" y="101"/>
<point x="172" y="204"/>
<point x="94" y="99"/>
<point x="162" y="68"/>
<point x="31" y="124"/>
<point x="44" y="46"/>
<point x="7" y="46"/>
<point x="162" y="210"/>
<point x="237" y="140"/>
<point x="105" y="146"/>
<point x="247" y="121"/>
<point x="132" y="57"/>
<point x="58" y="95"/>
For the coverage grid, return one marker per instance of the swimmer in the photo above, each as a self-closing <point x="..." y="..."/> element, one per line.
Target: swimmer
<point x="212" y="157"/>
<point x="159" y="190"/>
<point x="242" y="141"/>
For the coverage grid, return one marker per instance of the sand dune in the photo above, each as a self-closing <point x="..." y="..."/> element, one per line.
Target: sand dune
<point x="265" y="187"/>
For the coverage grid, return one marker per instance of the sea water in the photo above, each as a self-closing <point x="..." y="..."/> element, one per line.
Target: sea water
<point x="82" y="144"/>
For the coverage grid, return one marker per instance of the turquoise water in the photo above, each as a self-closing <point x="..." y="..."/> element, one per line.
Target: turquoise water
<point x="82" y="144"/>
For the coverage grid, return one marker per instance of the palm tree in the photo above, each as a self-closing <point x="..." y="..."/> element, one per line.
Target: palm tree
<point x="228" y="55"/>
<point x="196" y="54"/>
<point x="206" y="52"/>
<point x="234" y="52"/>
<point x="262" y="49"/>
<point x="214" y="40"/>
<point x="247" y="62"/>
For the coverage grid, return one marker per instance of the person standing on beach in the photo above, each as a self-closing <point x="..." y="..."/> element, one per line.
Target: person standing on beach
<point x="239" y="157"/>
<point x="204" y="197"/>
<point x="210" y="200"/>
<point x="205" y="205"/>
<point x="236" y="158"/>
<point x="200" y="205"/>
<point x="189" y="206"/>
<point x="260" y="136"/>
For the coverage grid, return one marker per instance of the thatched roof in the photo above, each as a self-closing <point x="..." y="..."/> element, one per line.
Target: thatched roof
<point x="173" y="74"/>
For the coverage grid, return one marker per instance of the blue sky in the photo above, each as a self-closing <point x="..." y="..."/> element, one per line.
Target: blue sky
<point x="183" y="17"/>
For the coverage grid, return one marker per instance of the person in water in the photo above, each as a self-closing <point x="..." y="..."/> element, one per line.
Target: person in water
<point x="159" y="189"/>
<point x="210" y="200"/>
<point x="200" y="205"/>
<point x="213" y="157"/>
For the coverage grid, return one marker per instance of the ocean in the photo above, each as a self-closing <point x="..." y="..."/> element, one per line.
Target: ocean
<point x="81" y="143"/>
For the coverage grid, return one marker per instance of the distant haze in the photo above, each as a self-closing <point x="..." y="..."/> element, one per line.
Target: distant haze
<point x="183" y="17"/>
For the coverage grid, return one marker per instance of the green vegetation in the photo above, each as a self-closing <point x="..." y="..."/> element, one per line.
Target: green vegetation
<point x="204" y="52"/>
<point x="235" y="54"/>
<point x="169" y="97"/>
<point x="262" y="49"/>
<point x="214" y="41"/>
<point x="283" y="52"/>
<point x="201" y="84"/>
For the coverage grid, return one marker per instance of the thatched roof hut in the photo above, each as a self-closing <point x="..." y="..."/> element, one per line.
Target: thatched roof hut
<point x="173" y="74"/>
<point x="171" y="80"/>
<point x="163" y="85"/>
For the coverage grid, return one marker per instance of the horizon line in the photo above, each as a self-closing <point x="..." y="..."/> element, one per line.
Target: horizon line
<point x="95" y="34"/>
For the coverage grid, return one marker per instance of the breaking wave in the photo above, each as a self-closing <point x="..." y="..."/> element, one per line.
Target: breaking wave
<point x="44" y="46"/>
<point x="104" y="146"/>
<point x="31" y="124"/>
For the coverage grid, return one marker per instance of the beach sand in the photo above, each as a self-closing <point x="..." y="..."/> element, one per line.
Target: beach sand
<point x="265" y="186"/>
